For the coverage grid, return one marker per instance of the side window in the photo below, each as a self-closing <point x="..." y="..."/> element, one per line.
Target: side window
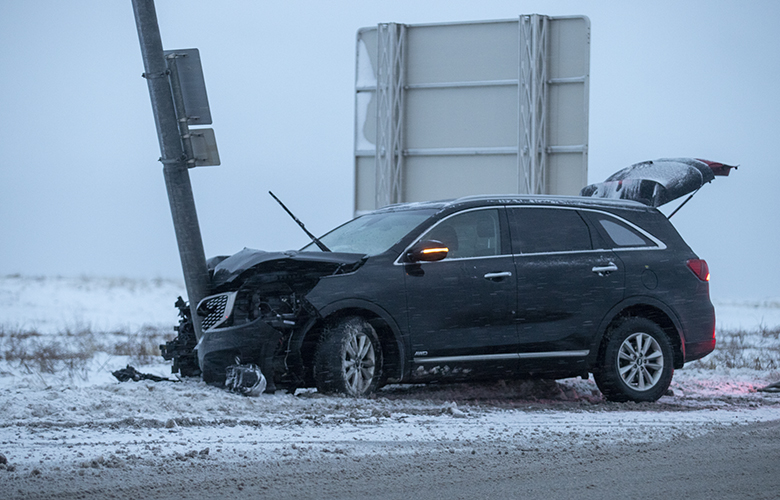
<point x="537" y="230"/>
<point x="469" y="234"/>
<point x="622" y="235"/>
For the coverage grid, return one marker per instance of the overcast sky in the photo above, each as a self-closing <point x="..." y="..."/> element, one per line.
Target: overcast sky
<point x="82" y="192"/>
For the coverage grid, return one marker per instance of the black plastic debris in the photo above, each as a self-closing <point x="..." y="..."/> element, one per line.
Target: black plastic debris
<point x="245" y="379"/>
<point x="131" y="373"/>
<point x="182" y="349"/>
<point x="771" y="388"/>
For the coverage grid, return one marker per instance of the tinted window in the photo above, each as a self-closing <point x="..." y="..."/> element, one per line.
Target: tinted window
<point x="548" y="230"/>
<point x="622" y="235"/>
<point x="469" y="234"/>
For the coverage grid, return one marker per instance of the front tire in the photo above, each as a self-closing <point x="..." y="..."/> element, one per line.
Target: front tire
<point x="349" y="359"/>
<point x="637" y="363"/>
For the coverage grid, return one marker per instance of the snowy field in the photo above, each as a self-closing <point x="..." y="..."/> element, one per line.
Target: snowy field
<point x="62" y="413"/>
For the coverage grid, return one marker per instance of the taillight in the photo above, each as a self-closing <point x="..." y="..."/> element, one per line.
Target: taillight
<point x="700" y="269"/>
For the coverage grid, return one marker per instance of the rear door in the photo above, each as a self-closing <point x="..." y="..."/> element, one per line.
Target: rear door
<point x="565" y="285"/>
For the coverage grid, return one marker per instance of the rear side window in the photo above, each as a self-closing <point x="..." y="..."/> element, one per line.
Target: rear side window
<point x="620" y="235"/>
<point x="536" y="230"/>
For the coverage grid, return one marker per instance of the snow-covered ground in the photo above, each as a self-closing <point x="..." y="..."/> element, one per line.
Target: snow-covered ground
<point x="71" y="414"/>
<point x="51" y="305"/>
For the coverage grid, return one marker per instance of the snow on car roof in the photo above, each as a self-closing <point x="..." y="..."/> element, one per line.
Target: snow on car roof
<point x="515" y="199"/>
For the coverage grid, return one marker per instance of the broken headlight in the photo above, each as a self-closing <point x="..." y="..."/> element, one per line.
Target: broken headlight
<point x="278" y="310"/>
<point x="237" y="308"/>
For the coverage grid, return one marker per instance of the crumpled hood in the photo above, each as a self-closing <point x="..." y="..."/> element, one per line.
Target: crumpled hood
<point x="231" y="269"/>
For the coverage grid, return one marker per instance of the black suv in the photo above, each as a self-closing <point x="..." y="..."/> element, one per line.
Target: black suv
<point x="473" y="288"/>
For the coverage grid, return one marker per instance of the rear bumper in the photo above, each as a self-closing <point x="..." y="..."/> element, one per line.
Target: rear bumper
<point x="699" y="330"/>
<point x="697" y="350"/>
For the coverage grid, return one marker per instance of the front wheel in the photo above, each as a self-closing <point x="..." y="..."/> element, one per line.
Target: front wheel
<point x="349" y="358"/>
<point x="637" y="362"/>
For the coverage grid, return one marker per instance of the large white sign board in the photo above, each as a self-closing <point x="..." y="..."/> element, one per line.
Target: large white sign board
<point x="449" y="110"/>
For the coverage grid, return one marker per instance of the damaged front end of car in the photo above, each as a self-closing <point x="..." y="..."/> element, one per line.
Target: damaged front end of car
<point x="259" y="306"/>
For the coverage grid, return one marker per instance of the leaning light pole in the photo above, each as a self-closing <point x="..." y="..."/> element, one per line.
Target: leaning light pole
<point x="174" y="148"/>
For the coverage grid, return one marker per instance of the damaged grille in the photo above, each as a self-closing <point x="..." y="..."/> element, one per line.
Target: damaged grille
<point x="215" y="310"/>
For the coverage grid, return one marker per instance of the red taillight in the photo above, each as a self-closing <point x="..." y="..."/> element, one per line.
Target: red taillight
<point x="700" y="269"/>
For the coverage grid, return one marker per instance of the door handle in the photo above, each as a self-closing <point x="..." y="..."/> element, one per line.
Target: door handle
<point x="498" y="276"/>
<point x="604" y="270"/>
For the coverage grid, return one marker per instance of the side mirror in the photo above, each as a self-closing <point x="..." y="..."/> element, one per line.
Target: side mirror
<point x="427" y="251"/>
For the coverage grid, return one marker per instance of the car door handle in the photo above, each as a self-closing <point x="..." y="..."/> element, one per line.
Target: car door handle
<point x="497" y="276"/>
<point x="602" y="270"/>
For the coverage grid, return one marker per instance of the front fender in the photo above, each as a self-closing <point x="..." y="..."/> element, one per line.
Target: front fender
<point x="354" y="306"/>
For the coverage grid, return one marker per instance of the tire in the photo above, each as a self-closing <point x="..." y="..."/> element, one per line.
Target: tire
<point x="348" y="359"/>
<point x="637" y="363"/>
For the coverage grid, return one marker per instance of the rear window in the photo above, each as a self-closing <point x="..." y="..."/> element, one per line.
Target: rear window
<point x="536" y="230"/>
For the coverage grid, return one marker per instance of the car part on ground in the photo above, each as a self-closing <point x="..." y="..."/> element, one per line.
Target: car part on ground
<point x="182" y="348"/>
<point x="247" y="380"/>
<point x="475" y="288"/>
<point x="771" y="388"/>
<point x="130" y="373"/>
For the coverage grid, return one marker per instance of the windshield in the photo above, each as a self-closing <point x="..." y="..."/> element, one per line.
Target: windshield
<point x="373" y="233"/>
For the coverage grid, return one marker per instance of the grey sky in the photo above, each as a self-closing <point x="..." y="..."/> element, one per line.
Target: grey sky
<point x="81" y="191"/>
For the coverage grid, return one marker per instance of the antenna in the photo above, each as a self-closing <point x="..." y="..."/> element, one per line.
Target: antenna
<point x="316" y="241"/>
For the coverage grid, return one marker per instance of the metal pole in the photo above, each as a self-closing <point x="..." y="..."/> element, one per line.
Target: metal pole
<point x="177" y="179"/>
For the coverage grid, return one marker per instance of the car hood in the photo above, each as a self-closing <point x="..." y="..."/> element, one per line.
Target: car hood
<point x="232" y="270"/>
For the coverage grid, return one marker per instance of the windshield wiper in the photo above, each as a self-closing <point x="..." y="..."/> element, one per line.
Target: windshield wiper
<point x="316" y="241"/>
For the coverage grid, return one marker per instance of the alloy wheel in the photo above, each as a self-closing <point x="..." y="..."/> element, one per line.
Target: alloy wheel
<point x="359" y="362"/>
<point x="640" y="361"/>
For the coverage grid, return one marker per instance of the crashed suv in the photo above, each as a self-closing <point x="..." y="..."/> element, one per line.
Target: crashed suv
<point x="473" y="288"/>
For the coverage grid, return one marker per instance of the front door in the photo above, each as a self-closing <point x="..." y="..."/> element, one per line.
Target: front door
<point x="461" y="309"/>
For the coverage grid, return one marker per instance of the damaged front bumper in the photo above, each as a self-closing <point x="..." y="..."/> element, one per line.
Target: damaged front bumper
<point x="221" y="345"/>
<point x="260" y="307"/>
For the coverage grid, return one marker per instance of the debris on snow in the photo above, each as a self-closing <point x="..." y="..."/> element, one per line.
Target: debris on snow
<point x="245" y="379"/>
<point x="771" y="387"/>
<point x="130" y="373"/>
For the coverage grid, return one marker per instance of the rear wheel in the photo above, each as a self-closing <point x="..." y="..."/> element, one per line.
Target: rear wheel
<point x="637" y="362"/>
<point x="349" y="358"/>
